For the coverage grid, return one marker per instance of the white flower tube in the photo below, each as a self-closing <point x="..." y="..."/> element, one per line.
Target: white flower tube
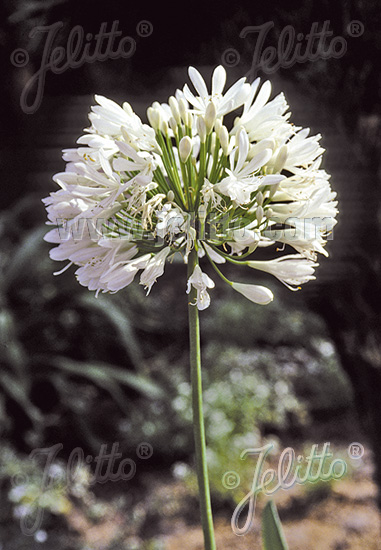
<point x="185" y="148"/>
<point x="255" y="293"/>
<point x="292" y="270"/>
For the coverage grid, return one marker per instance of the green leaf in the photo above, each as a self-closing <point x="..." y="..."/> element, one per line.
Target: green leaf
<point x="17" y="391"/>
<point x="119" y="320"/>
<point x="109" y="378"/>
<point x="272" y="532"/>
<point x="24" y="257"/>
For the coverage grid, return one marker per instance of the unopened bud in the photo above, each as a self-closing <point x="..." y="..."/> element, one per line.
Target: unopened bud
<point x="164" y="127"/>
<point x="189" y="121"/>
<point x="259" y="214"/>
<point x="173" y="103"/>
<point x="172" y="125"/>
<point x="217" y="126"/>
<point x="269" y="212"/>
<point x="185" y="148"/>
<point x="127" y="108"/>
<point x="201" y="129"/>
<point x="210" y="117"/>
<point x="154" y="118"/>
<point x="183" y="108"/>
<point x="170" y="196"/>
<point x="224" y="140"/>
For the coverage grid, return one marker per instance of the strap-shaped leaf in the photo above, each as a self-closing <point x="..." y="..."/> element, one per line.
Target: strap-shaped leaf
<point x="272" y="532"/>
<point x="108" y="376"/>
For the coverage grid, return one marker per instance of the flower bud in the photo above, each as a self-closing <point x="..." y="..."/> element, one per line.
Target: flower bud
<point x="183" y="108"/>
<point x="255" y="293"/>
<point x="154" y="118"/>
<point x="210" y="117"/>
<point x="173" y="103"/>
<point x="173" y="125"/>
<point x="259" y="198"/>
<point x="189" y="121"/>
<point x="217" y="126"/>
<point x="259" y="214"/>
<point x="201" y="129"/>
<point x="185" y="148"/>
<point x="164" y="127"/>
<point x="170" y="195"/>
<point x="127" y="108"/>
<point x="224" y="140"/>
<point x="269" y="212"/>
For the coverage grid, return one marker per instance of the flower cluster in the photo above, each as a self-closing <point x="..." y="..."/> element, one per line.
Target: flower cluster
<point x="133" y="195"/>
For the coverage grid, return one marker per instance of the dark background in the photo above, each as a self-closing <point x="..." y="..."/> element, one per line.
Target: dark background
<point x="340" y="98"/>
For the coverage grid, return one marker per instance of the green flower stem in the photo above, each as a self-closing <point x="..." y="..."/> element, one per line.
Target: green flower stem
<point x="198" y="417"/>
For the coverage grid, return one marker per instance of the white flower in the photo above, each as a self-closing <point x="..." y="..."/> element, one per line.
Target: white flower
<point x="142" y="162"/>
<point x="200" y="281"/>
<point x="170" y="221"/>
<point x="122" y="273"/>
<point x="213" y="255"/>
<point x="93" y="273"/>
<point x="134" y="194"/>
<point x="241" y="183"/>
<point x="109" y="119"/>
<point x="154" y="269"/>
<point x="302" y="150"/>
<point x="292" y="270"/>
<point x="255" y="293"/>
<point x="232" y="99"/>
<point x="261" y="119"/>
<point x="306" y="237"/>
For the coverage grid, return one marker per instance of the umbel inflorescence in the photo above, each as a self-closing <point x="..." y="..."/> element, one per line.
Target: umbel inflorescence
<point x="133" y="195"/>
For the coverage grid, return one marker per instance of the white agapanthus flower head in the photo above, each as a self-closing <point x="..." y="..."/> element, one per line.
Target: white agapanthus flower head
<point x="133" y="195"/>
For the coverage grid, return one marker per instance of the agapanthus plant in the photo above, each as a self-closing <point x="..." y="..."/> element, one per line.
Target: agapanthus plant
<point x="134" y="195"/>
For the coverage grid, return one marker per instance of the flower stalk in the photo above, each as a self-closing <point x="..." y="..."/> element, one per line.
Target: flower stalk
<point x="198" y="416"/>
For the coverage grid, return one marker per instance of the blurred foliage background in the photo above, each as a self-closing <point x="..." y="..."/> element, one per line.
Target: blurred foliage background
<point x="86" y="372"/>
